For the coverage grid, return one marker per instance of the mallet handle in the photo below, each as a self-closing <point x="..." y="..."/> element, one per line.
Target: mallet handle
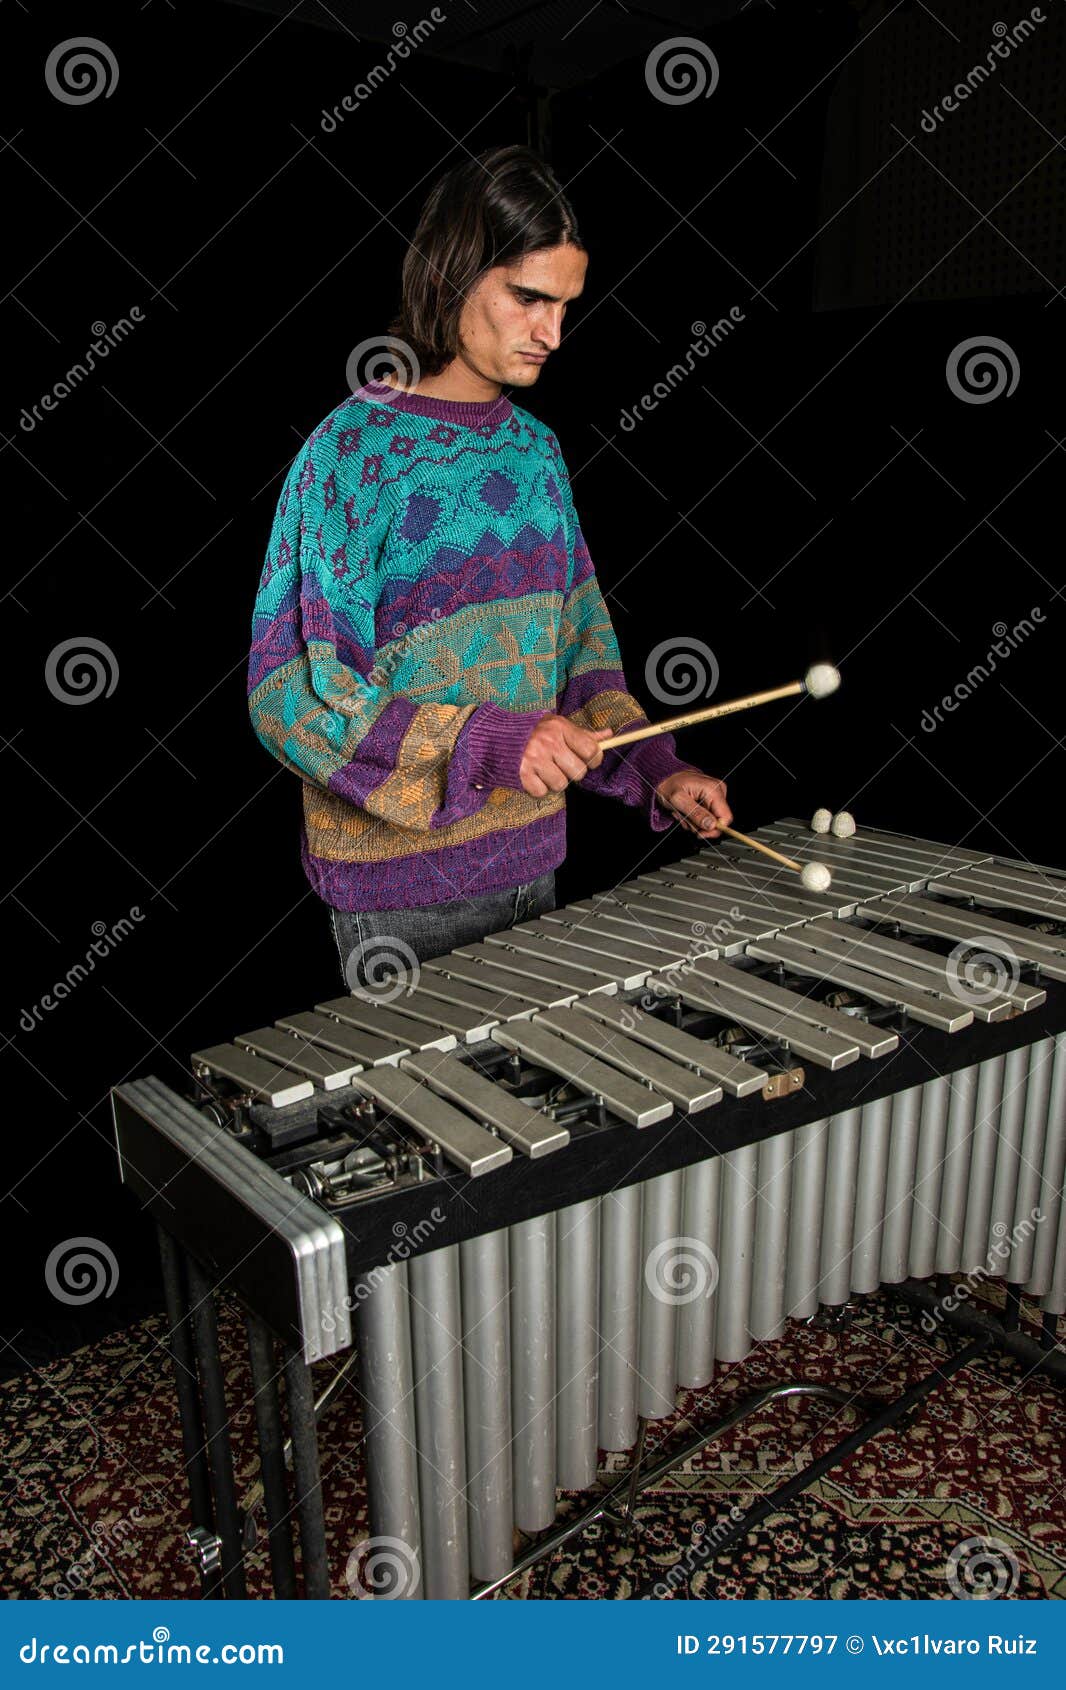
<point x="709" y="714"/>
<point x="757" y="845"/>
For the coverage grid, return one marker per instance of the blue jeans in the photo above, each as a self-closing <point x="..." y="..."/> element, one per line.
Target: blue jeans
<point x="375" y="944"/>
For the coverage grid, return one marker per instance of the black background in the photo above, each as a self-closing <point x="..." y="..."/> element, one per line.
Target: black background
<point x="815" y="489"/>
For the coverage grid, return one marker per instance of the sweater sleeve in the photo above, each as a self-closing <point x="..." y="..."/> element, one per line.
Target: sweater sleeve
<point x="593" y="688"/>
<point x="321" y="702"/>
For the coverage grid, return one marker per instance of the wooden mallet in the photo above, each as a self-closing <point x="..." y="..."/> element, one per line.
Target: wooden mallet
<point x="815" y="876"/>
<point x="820" y="680"/>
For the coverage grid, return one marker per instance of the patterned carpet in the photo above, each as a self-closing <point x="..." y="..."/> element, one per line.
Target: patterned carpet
<point x="969" y="1500"/>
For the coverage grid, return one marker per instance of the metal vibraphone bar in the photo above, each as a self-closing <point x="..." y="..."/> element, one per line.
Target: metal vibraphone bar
<point x="584" y="1164"/>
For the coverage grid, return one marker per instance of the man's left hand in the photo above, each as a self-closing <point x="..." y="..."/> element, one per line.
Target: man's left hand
<point x="698" y="801"/>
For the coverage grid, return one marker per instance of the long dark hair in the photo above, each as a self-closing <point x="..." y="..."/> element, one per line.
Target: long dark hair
<point x="493" y="209"/>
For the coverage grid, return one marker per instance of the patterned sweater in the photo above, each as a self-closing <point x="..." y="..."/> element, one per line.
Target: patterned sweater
<point x="427" y="597"/>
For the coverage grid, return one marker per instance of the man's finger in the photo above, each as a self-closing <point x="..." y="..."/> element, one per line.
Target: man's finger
<point x="548" y="771"/>
<point x="571" y="764"/>
<point x="696" y="816"/>
<point x="712" y="797"/>
<point x="580" y="741"/>
<point x="691" y="812"/>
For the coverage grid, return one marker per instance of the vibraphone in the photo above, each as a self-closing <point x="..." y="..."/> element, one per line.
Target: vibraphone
<point x="576" y="1167"/>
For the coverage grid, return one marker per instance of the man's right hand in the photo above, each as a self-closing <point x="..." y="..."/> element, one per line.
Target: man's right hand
<point x="557" y="752"/>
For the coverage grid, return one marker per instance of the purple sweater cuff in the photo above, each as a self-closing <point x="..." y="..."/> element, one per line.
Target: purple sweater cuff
<point x="650" y="761"/>
<point x="495" y="741"/>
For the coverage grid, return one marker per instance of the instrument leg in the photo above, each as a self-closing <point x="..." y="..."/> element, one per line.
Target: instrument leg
<point x="300" y="1402"/>
<point x="973" y="1324"/>
<point x="183" y="1359"/>
<point x="216" y="1424"/>
<point x="633" y="1490"/>
<point x="272" y="1457"/>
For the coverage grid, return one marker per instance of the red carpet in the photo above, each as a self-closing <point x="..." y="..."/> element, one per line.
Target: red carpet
<point x="96" y="1503"/>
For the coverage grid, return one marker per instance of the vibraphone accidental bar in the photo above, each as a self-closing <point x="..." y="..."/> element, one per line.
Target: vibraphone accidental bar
<point x="816" y="1094"/>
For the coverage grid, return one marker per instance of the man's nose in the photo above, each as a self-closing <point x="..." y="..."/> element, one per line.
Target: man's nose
<point x="550" y="332"/>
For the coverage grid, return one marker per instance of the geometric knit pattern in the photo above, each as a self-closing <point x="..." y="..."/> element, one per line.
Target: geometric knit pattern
<point x="427" y="597"/>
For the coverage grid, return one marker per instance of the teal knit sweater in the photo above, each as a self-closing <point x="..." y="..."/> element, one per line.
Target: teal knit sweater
<point x="427" y="597"/>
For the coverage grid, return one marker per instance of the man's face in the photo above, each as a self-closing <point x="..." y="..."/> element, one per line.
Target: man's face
<point x="514" y="317"/>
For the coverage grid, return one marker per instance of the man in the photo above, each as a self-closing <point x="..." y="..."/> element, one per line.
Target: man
<point x="431" y="651"/>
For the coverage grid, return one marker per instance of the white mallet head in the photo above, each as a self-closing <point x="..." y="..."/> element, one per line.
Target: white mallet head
<point x="815" y="877"/>
<point x="821" y="820"/>
<point x="842" y="825"/>
<point x="822" y="679"/>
